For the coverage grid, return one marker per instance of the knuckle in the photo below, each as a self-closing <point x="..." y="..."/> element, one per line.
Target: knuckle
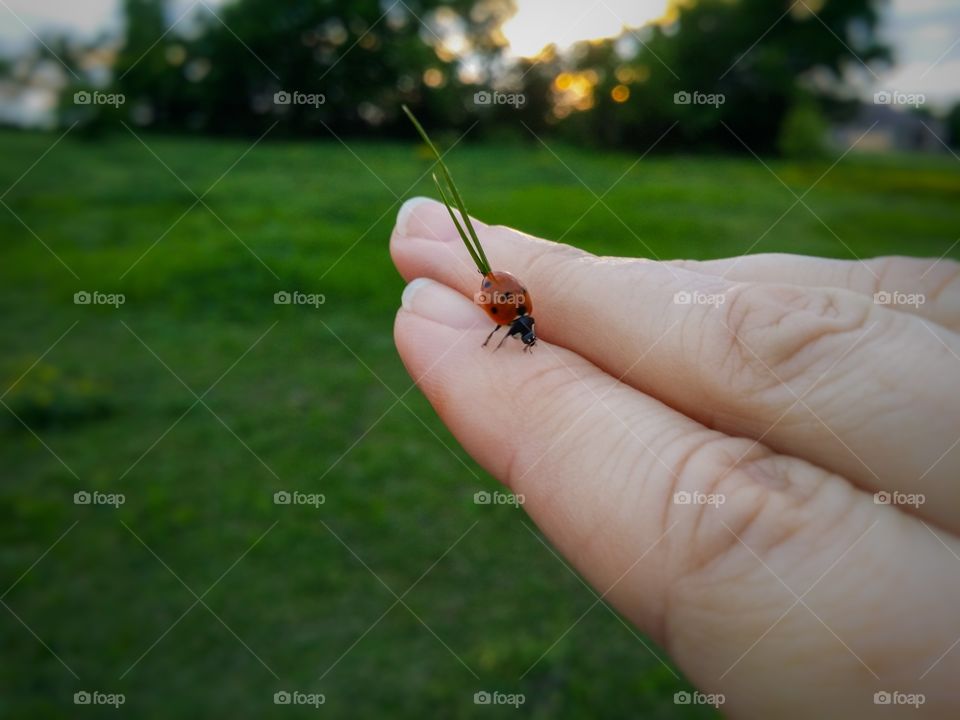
<point x="778" y="531"/>
<point x="705" y="473"/>
<point x="771" y="335"/>
<point x="746" y="482"/>
<point x="773" y="506"/>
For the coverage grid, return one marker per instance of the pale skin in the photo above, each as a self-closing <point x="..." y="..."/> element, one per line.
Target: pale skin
<point x="796" y="398"/>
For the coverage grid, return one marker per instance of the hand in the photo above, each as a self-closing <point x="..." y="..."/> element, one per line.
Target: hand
<point x="711" y="466"/>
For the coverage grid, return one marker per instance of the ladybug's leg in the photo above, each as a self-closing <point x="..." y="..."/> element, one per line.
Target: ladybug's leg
<point x="514" y="330"/>
<point x="490" y="335"/>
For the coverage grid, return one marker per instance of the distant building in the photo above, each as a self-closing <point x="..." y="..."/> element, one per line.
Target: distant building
<point x="895" y="129"/>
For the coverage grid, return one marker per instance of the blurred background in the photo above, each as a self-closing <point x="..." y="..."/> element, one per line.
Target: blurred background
<point x="218" y="483"/>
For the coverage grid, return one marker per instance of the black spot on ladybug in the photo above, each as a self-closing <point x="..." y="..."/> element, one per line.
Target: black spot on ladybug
<point x="521" y="309"/>
<point x="493" y="310"/>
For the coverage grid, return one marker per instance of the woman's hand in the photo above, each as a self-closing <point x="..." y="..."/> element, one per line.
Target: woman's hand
<point x="754" y="459"/>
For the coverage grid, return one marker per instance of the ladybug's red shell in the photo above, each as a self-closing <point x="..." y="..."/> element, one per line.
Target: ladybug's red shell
<point x="503" y="297"/>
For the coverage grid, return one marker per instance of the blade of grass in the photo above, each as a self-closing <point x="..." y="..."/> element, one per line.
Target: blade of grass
<point x="477" y="253"/>
<point x="460" y="230"/>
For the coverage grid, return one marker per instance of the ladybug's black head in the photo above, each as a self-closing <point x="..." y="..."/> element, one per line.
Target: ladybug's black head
<point x="523" y="326"/>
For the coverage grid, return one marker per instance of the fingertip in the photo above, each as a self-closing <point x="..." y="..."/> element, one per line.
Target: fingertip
<point x="434" y="301"/>
<point x="424" y="218"/>
<point x="429" y="219"/>
<point x="421" y="224"/>
<point x="410" y="291"/>
<point x="434" y="319"/>
<point x="407" y="212"/>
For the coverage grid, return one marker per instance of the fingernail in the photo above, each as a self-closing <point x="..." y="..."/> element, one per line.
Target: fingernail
<point x="431" y="300"/>
<point x="411" y="290"/>
<point x="406" y="212"/>
<point x="425" y="219"/>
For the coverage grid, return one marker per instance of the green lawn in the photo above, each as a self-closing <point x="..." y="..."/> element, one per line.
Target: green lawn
<point x="298" y="411"/>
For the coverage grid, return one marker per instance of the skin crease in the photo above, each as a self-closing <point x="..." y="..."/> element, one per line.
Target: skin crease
<point x="799" y="596"/>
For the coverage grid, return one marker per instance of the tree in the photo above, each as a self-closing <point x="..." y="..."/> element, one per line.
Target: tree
<point x="804" y="131"/>
<point x="308" y="65"/>
<point x="753" y="56"/>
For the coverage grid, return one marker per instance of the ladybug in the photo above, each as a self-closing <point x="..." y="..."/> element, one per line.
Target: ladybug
<point x="502" y="296"/>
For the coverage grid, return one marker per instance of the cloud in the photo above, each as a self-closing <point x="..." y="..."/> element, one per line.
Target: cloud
<point x="83" y="16"/>
<point x="940" y="83"/>
<point x="914" y="7"/>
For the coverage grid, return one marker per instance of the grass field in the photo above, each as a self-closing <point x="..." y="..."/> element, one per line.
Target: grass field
<point x="288" y="593"/>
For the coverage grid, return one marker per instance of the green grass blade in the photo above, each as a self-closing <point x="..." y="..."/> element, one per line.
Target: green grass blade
<point x="460" y="230"/>
<point x="473" y="242"/>
<point x="464" y="213"/>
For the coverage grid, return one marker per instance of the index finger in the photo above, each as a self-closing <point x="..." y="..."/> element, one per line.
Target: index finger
<point x="919" y="286"/>
<point x="818" y="373"/>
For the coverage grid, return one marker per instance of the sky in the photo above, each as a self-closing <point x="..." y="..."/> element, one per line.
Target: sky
<point x="925" y="34"/>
